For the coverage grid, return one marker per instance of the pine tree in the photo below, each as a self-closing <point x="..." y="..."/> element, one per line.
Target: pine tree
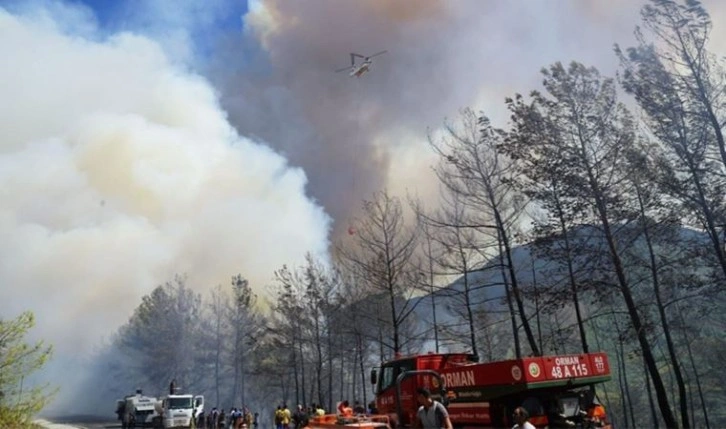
<point x="18" y="359"/>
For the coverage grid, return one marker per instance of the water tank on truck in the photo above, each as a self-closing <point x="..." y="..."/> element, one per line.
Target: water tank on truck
<point x="136" y="410"/>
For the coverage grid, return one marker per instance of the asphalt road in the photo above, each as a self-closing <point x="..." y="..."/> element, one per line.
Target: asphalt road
<point x="87" y="422"/>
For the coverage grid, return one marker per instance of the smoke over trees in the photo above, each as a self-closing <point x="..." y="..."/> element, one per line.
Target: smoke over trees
<point x="381" y="258"/>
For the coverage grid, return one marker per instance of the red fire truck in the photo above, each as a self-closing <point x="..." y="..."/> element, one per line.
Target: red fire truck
<point x="558" y="391"/>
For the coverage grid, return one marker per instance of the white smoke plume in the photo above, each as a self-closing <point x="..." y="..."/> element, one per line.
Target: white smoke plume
<point x="118" y="170"/>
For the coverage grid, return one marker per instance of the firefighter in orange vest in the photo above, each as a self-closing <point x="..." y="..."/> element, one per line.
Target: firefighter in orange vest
<point x="596" y="414"/>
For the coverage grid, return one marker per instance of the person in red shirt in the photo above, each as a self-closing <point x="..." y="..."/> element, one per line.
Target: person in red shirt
<point x="344" y="409"/>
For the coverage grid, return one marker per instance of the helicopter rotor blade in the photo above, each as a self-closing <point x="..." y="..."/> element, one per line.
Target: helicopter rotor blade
<point x="377" y="54"/>
<point x="353" y="54"/>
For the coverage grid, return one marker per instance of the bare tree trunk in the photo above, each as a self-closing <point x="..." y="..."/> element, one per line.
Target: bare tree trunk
<point x="515" y="287"/>
<point x="433" y="294"/>
<point x="559" y="338"/>
<point x="353" y="379"/>
<point x="571" y="275"/>
<point x="623" y="397"/>
<point x="599" y="347"/>
<point x="469" y="313"/>
<point x="359" y="340"/>
<point x="694" y="367"/>
<point x="392" y="299"/>
<point x="536" y="305"/>
<point x="330" y="367"/>
<point x="295" y="371"/>
<point x="285" y="387"/>
<point x="318" y="357"/>
<point x="217" y="357"/>
<point x="691" y="402"/>
<point x="651" y="404"/>
<point x="302" y="367"/>
<point x="512" y="314"/>
<point x="683" y="399"/>
<point x="243" y="386"/>
<point x="490" y="344"/>
<point x="621" y="351"/>
<point x="342" y="377"/>
<point x="627" y="387"/>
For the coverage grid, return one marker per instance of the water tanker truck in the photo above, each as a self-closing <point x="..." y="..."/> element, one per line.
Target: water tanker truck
<point x="135" y="410"/>
<point x="178" y="410"/>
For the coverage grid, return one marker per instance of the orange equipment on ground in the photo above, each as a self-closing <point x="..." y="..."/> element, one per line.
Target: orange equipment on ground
<point x="333" y="421"/>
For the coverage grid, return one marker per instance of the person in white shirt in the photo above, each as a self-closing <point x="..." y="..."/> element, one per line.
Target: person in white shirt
<point x="431" y="414"/>
<point x="520" y="419"/>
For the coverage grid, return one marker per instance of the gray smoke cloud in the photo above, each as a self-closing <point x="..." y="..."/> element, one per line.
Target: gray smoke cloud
<point x="353" y="136"/>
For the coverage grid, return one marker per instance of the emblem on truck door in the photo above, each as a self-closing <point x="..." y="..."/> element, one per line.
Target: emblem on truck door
<point x="434" y="382"/>
<point x="516" y="373"/>
<point x="534" y="370"/>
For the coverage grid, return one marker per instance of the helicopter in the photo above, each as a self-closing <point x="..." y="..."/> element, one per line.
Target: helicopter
<point x="357" y="70"/>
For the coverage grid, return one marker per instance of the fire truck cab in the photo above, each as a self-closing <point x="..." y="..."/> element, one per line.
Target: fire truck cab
<point x="557" y="391"/>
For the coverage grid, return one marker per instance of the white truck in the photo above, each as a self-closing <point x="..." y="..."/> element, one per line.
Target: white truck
<point x="136" y="410"/>
<point x="177" y="411"/>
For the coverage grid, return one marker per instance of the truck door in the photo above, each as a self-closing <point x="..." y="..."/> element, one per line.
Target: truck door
<point x="386" y="390"/>
<point x="198" y="404"/>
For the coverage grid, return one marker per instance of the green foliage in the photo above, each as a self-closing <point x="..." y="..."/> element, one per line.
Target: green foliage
<point x="19" y="402"/>
<point x="161" y="334"/>
<point x="205" y="347"/>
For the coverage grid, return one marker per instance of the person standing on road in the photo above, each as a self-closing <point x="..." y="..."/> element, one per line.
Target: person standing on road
<point x="286" y="417"/>
<point x="431" y="414"/>
<point x="520" y="416"/>
<point x="298" y="416"/>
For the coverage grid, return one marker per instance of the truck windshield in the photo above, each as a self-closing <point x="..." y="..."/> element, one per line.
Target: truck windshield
<point x="570" y="405"/>
<point x="178" y="403"/>
<point x="391" y="371"/>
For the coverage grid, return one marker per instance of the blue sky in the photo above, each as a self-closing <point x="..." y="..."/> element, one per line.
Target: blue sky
<point x="111" y="13"/>
<point x="106" y="10"/>
<point x="197" y="25"/>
